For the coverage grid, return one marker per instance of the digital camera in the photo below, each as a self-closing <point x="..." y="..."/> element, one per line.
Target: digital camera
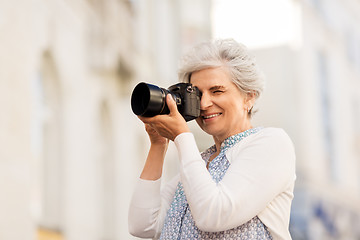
<point x="149" y="100"/>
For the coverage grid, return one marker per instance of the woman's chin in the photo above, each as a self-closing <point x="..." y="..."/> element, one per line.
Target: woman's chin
<point x="212" y="130"/>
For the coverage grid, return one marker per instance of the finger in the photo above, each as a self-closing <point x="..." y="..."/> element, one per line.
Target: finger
<point x="150" y="120"/>
<point x="147" y="126"/>
<point x="149" y="129"/>
<point x="142" y="119"/>
<point x="171" y="103"/>
<point x="145" y="120"/>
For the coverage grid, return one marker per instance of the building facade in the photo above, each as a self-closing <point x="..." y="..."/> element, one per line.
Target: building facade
<point x="72" y="148"/>
<point x="313" y="92"/>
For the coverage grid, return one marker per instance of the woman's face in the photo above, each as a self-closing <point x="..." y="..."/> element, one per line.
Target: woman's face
<point x="223" y="106"/>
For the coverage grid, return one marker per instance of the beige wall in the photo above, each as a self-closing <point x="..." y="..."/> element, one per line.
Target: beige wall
<point x="72" y="149"/>
<point x="313" y="93"/>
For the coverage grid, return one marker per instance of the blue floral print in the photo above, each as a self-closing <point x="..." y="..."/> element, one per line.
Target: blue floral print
<point x="179" y="223"/>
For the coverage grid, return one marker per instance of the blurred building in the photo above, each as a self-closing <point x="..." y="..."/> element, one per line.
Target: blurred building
<point x="310" y="53"/>
<point x="71" y="147"/>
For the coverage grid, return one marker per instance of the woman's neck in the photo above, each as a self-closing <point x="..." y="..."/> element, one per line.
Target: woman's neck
<point x="219" y="140"/>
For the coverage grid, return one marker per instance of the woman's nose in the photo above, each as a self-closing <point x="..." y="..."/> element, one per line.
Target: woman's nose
<point x="205" y="102"/>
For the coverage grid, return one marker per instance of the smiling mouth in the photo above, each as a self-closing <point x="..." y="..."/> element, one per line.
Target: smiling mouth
<point x="211" y="116"/>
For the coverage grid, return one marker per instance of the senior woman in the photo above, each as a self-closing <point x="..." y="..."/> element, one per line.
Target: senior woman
<point x="242" y="186"/>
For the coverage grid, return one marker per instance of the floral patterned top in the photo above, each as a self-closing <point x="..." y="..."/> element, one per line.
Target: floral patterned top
<point x="179" y="223"/>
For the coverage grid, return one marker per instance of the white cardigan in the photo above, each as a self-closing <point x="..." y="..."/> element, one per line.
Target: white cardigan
<point x="259" y="182"/>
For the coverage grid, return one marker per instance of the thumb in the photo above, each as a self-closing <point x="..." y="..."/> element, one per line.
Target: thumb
<point x="171" y="103"/>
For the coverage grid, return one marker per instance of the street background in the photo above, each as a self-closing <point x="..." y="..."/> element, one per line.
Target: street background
<point x="72" y="150"/>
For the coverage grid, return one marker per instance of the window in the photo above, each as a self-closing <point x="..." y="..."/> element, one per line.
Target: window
<point x="326" y="113"/>
<point x="107" y="174"/>
<point x="46" y="145"/>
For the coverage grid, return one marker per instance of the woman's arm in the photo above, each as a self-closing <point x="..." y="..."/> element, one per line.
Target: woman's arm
<point x="154" y="163"/>
<point x="155" y="160"/>
<point x="261" y="168"/>
<point x="148" y="207"/>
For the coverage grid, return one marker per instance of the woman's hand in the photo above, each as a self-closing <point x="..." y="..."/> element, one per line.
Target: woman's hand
<point x="167" y="126"/>
<point x="155" y="138"/>
<point x="160" y="129"/>
<point x="155" y="160"/>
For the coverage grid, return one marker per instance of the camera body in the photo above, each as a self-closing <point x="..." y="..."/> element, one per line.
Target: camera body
<point x="149" y="100"/>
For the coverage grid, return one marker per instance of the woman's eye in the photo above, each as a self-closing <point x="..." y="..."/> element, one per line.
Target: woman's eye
<point x="217" y="91"/>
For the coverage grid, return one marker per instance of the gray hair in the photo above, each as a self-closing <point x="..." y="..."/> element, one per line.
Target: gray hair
<point x="226" y="53"/>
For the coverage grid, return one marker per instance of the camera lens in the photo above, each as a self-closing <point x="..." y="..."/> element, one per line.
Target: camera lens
<point x="148" y="100"/>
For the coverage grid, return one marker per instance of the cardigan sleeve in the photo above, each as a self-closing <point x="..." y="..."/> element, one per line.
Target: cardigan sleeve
<point x="262" y="165"/>
<point x="148" y="207"/>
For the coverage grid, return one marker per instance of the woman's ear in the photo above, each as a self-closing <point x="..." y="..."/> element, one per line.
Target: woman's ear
<point x="250" y="99"/>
